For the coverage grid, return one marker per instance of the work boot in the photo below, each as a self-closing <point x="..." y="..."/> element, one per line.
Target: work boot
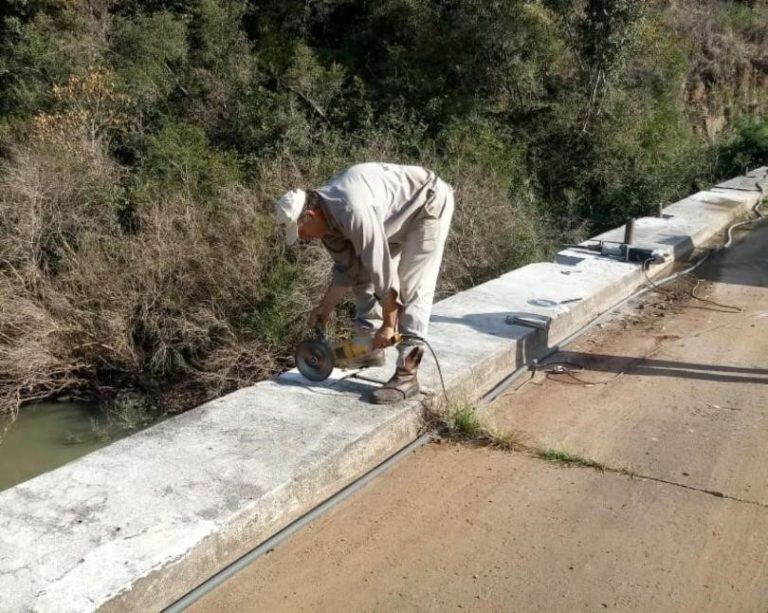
<point x="403" y="384"/>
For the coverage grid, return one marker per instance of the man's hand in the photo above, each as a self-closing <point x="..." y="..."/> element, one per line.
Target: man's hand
<point x="383" y="337"/>
<point x="322" y="312"/>
<point x="319" y="316"/>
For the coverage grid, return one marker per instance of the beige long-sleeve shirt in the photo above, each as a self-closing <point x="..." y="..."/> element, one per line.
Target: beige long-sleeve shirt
<point x="370" y="208"/>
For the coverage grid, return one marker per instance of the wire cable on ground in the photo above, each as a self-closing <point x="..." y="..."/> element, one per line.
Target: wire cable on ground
<point x="726" y="308"/>
<point x="759" y="216"/>
<point x="755" y="209"/>
<point x="569" y="369"/>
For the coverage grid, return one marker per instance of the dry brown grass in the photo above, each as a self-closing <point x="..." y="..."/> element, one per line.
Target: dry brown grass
<point x="52" y="198"/>
<point x="87" y="309"/>
<point x="493" y="230"/>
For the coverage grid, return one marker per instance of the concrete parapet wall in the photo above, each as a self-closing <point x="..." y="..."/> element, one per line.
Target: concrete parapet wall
<point x="137" y="524"/>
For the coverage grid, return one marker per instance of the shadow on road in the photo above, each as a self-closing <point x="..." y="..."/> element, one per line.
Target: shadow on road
<point x="663" y="368"/>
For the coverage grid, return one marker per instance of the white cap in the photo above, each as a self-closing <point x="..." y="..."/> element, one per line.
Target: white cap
<point x="288" y="210"/>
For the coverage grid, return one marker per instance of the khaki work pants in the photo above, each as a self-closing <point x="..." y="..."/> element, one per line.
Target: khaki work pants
<point x="419" y="258"/>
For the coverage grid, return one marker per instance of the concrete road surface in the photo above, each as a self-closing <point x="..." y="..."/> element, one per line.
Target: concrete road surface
<point x="671" y="397"/>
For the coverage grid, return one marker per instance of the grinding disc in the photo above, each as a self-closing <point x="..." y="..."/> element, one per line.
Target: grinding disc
<point x="314" y="359"/>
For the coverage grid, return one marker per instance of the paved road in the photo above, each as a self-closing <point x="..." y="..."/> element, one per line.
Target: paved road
<point x="674" y="389"/>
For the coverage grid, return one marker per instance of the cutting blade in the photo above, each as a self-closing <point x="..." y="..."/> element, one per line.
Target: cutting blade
<point x="314" y="359"/>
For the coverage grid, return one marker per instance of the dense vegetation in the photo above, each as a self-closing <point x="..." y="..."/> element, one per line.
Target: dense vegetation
<point x="143" y="143"/>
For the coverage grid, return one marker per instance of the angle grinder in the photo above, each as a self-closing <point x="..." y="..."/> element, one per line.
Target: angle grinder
<point x="316" y="357"/>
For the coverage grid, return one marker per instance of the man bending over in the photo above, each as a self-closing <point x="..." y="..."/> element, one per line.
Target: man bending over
<point x="385" y="227"/>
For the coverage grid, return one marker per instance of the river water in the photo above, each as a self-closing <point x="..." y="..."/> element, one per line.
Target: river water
<point x="47" y="435"/>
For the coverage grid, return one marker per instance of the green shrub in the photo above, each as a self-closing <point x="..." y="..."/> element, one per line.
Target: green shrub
<point x="747" y="148"/>
<point x="275" y="316"/>
<point x="150" y="59"/>
<point x="179" y="160"/>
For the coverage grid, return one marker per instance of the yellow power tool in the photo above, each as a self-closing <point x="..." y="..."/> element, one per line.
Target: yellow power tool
<point x="316" y="357"/>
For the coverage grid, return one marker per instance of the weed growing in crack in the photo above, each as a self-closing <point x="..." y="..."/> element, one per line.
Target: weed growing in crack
<point x="506" y="439"/>
<point x="464" y="422"/>
<point x="564" y="457"/>
<point x="458" y="421"/>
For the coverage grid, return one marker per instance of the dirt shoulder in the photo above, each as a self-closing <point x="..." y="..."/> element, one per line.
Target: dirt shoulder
<point x="674" y="389"/>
